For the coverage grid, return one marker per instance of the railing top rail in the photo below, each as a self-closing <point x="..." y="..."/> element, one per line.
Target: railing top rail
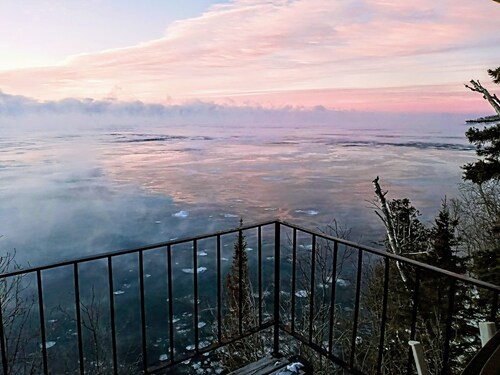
<point x="317" y="233"/>
<point x="395" y="257"/>
<point x="115" y="253"/>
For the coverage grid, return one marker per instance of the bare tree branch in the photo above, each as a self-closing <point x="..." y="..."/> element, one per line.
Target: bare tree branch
<point x="492" y="99"/>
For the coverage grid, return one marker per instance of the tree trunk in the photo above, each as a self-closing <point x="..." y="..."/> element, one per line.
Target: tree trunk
<point x="387" y="219"/>
<point x="492" y="99"/>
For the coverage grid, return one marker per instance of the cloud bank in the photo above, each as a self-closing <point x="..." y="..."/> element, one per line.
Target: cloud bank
<point x="23" y="113"/>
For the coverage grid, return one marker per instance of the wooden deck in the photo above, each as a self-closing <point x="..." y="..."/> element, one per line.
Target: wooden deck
<point x="275" y="366"/>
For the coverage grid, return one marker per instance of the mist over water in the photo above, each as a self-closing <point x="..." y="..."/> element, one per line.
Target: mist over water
<point x="73" y="192"/>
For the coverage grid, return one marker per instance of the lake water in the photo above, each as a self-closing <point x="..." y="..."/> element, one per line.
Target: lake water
<point x="66" y="194"/>
<point x="69" y="193"/>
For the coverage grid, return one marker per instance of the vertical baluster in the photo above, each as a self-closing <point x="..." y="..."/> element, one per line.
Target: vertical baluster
<point x="5" y="364"/>
<point x="294" y="271"/>
<point x="311" y="296"/>
<point x="240" y="281"/>
<point x="494" y="307"/>
<point x="332" y="296"/>
<point x="170" y="303"/>
<point x="259" y="261"/>
<point x="413" y="319"/>
<point x="143" y="314"/>
<point x="219" y="292"/>
<point x="42" y="322"/>
<point x="195" y="292"/>
<point x="277" y="251"/>
<point x="78" y="318"/>
<point x="449" y="320"/>
<point x="112" y="315"/>
<point x="384" y="316"/>
<point x="356" y="308"/>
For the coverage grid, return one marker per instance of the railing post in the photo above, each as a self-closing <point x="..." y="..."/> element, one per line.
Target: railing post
<point x="2" y="337"/>
<point x="42" y="322"/>
<point x="449" y="320"/>
<point x="277" y="245"/>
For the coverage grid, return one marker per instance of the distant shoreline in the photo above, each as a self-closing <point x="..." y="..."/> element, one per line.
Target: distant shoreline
<point x="484" y="119"/>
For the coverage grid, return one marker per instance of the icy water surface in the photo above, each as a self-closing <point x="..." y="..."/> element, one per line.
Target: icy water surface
<point x="68" y="194"/>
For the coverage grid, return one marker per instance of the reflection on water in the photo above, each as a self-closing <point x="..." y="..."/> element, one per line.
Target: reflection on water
<point x="67" y="195"/>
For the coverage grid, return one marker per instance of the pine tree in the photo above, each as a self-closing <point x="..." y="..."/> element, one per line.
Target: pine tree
<point x="238" y="285"/>
<point x="486" y="140"/>
<point x="437" y="246"/>
<point x="485" y="174"/>
<point x="242" y="312"/>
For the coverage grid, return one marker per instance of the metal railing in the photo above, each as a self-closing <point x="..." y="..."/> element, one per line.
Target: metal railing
<point x="301" y="276"/>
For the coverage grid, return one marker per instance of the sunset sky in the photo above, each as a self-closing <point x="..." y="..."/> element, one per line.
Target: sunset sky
<point x="367" y="55"/>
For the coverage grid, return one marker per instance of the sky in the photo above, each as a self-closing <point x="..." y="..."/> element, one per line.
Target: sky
<point x="364" y="55"/>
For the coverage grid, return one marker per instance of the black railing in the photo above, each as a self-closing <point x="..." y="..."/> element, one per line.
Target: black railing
<point x="310" y="292"/>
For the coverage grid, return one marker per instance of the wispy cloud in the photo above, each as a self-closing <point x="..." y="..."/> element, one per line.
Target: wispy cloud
<point x="264" y="51"/>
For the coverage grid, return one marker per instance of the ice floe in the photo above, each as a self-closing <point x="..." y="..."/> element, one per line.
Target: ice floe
<point x="191" y="270"/>
<point x="307" y="212"/>
<point x="301" y="293"/>
<point x="163" y="357"/>
<point x="118" y="292"/>
<point x="230" y="215"/>
<point x="202" y="253"/>
<point x="307" y="247"/>
<point x="181" y="214"/>
<point x="340" y="282"/>
<point x="201" y="324"/>
<point x="343" y="282"/>
<point x="48" y="344"/>
<point x="201" y="345"/>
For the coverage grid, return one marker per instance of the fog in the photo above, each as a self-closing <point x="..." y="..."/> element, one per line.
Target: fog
<point x="80" y="177"/>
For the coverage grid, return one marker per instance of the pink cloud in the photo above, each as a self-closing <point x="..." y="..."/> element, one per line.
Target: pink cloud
<point x="291" y="52"/>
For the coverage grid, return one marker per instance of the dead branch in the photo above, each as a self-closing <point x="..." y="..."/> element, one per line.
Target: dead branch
<point x="388" y="221"/>
<point x="492" y="99"/>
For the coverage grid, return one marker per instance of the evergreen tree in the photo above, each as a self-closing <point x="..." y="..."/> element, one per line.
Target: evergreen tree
<point x="238" y="285"/>
<point x="242" y="313"/>
<point x="438" y="246"/>
<point x="485" y="174"/>
<point x="486" y="140"/>
<point x="444" y="242"/>
<point x="495" y="75"/>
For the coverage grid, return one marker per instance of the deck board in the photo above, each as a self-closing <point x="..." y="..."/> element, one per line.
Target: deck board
<point x="266" y="366"/>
